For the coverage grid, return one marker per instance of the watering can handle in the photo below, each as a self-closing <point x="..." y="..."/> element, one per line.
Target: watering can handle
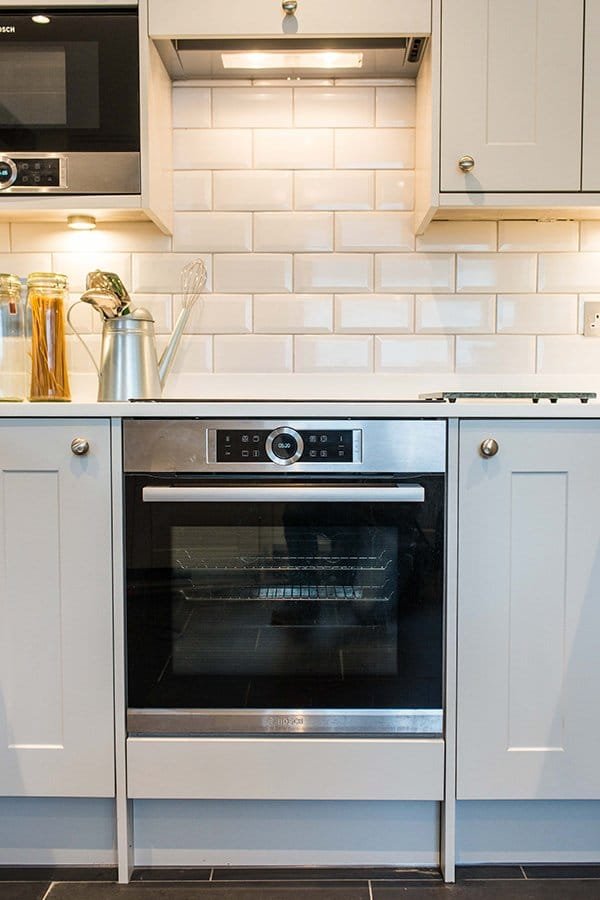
<point x="75" y="332"/>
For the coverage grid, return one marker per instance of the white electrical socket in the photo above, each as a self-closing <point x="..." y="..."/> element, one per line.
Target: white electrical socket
<point x="591" y="319"/>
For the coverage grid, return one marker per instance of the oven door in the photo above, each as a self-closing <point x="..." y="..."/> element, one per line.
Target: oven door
<point x="69" y="83"/>
<point x="306" y="607"/>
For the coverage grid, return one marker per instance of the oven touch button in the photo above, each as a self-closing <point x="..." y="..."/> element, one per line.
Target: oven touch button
<point x="284" y="446"/>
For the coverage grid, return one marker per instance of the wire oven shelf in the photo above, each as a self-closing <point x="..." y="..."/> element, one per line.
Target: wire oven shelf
<point x="187" y="560"/>
<point x="295" y="593"/>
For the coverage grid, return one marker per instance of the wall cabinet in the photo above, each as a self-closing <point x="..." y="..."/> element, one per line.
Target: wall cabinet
<point x="56" y="673"/>
<point x="238" y="18"/>
<point x="529" y="611"/>
<point x="591" y="99"/>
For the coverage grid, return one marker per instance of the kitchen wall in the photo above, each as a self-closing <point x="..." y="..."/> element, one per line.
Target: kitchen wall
<point x="299" y="200"/>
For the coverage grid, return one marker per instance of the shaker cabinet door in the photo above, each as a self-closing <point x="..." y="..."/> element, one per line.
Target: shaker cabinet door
<point x="267" y="18"/>
<point x="529" y="611"/>
<point x="56" y="696"/>
<point x="511" y="87"/>
<point x="591" y="98"/>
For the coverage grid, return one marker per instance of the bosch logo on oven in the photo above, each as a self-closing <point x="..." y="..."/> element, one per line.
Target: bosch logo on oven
<point x="7" y="29"/>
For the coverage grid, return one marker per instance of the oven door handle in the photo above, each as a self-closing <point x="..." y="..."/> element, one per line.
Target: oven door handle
<point x="396" y="493"/>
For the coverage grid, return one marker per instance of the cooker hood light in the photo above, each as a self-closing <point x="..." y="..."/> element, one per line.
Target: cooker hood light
<point x="301" y="59"/>
<point x="81" y="223"/>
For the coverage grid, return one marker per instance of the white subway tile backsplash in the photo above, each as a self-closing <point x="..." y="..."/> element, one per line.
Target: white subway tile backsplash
<point x="160" y="273"/>
<point x="374" y="313"/>
<point x="293" y="148"/>
<point x="458" y="236"/>
<point x="218" y="314"/>
<point x="568" y="355"/>
<point x="195" y="355"/>
<point x="293" y="313"/>
<point x="191" y="107"/>
<point x="338" y="107"/>
<point x="590" y="236"/>
<point x="495" y="354"/>
<point x="537" y="313"/>
<point x="566" y="272"/>
<point x="414" y="272"/>
<point x="374" y="231"/>
<point x="22" y="264"/>
<point x="449" y="314"/>
<point x="496" y="273"/>
<point x="395" y="190"/>
<point x="333" y="190"/>
<point x="374" y="148"/>
<point x="253" y="190"/>
<point x="5" y="237"/>
<point x="538" y="236"/>
<point x="77" y="265"/>
<point x="212" y="232"/>
<point x="293" y="232"/>
<point x="264" y="107"/>
<point x="338" y="353"/>
<point x="160" y="306"/>
<point x="253" y="353"/>
<point x="331" y="272"/>
<point x="192" y="190"/>
<point x="77" y="356"/>
<point x="252" y="273"/>
<point x="205" y="148"/>
<point x="395" y="107"/>
<point x="414" y="353"/>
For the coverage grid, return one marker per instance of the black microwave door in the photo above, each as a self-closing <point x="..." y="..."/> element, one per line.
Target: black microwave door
<point x="69" y="84"/>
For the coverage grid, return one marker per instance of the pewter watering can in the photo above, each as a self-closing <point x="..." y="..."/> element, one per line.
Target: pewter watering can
<point x="129" y="365"/>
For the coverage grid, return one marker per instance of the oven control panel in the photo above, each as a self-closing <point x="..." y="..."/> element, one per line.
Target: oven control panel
<point x="32" y="173"/>
<point x="285" y="446"/>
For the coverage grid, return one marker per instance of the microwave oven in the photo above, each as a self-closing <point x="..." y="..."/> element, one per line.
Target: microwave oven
<point x="69" y="101"/>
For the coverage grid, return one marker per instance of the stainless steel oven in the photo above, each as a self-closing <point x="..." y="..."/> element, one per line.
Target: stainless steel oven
<point x="69" y="100"/>
<point x="285" y="577"/>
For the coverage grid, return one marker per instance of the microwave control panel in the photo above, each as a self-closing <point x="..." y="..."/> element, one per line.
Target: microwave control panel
<point x="28" y="173"/>
<point x="286" y="446"/>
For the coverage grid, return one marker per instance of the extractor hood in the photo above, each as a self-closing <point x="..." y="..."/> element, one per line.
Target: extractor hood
<point x="397" y="57"/>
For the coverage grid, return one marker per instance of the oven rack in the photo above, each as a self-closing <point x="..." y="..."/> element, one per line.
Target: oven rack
<point x="187" y="560"/>
<point x="295" y="593"/>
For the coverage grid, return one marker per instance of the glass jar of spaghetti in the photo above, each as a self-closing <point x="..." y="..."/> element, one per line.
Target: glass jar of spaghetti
<point x="13" y="377"/>
<point x="46" y="295"/>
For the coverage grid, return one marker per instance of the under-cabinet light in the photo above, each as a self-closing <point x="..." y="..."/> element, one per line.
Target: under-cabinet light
<point x="81" y="223"/>
<point x="40" y="20"/>
<point x="302" y="59"/>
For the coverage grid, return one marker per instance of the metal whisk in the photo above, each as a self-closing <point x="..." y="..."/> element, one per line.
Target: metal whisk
<point x="193" y="279"/>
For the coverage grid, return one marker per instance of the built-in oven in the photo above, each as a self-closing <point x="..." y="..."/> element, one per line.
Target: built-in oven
<point x="285" y="577"/>
<point x="69" y="101"/>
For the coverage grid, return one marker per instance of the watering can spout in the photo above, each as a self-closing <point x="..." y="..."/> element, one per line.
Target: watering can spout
<point x="168" y="357"/>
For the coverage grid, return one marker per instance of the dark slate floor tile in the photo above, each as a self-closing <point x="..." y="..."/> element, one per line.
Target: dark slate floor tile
<point x="189" y="873"/>
<point x="58" y="873"/>
<point x="468" y="873"/>
<point x="495" y="889"/>
<point x="356" y="873"/>
<point x="23" y="890"/>
<point x="259" y="890"/>
<point x="564" y="871"/>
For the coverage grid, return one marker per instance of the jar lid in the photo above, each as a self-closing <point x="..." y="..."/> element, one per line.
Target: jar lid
<point x="9" y="283"/>
<point x="48" y="280"/>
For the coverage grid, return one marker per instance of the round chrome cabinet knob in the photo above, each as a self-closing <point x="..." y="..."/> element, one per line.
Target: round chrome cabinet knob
<point x="289" y="7"/>
<point x="488" y="448"/>
<point x="80" y="446"/>
<point x="8" y="172"/>
<point x="466" y="163"/>
<point x="284" y="446"/>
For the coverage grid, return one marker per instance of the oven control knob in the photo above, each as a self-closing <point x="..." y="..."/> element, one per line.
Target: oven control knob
<point x="284" y="446"/>
<point x="8" y="172"/>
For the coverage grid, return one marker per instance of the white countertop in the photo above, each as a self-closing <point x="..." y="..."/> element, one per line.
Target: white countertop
<point x="290" y="409"/>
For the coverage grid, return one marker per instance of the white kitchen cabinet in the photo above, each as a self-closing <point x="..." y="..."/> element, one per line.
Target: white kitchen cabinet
<point x="266" y="18"/>
<point x="529" y="611"/>
<point x="511" y="94"/>
<point x="591" y="98"/>
<point x="56" y="675"/>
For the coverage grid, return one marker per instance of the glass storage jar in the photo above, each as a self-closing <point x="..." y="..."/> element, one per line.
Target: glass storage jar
<point x="13" y="378"/>
<point x="46" y="295"/>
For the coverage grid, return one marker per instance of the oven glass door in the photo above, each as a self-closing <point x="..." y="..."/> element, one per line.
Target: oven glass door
<point x="71" y="83"/>
<point x="302" y="607"/>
